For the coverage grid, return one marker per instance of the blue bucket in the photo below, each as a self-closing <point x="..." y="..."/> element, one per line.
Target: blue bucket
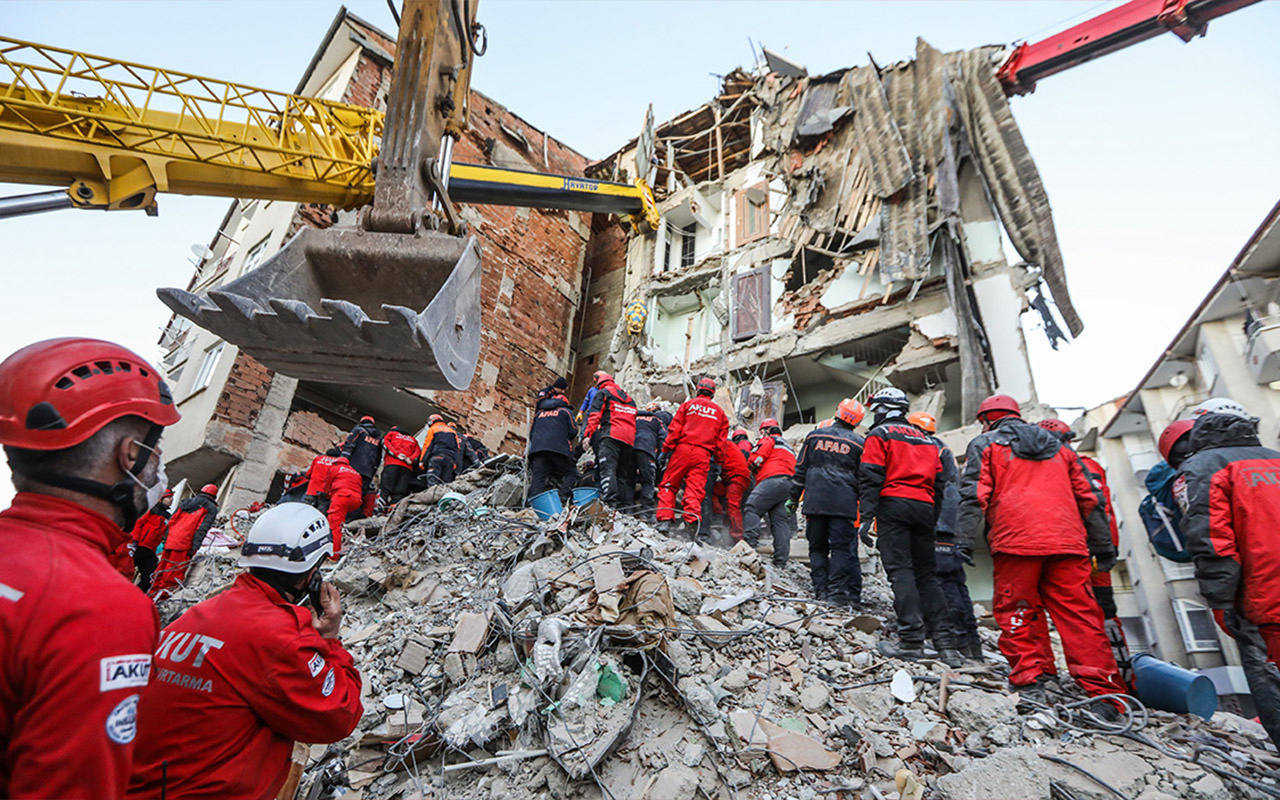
<point x="1169" y="687"/>
<point x="585" y="494"/>
<point x="547" y="504"/>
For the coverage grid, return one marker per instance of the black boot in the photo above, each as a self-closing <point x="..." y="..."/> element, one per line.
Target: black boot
<point x="973" y="650"/>
<point x="951" y="657"/>
<point x="907" y="650"/>
<point x="1033" y="695"/>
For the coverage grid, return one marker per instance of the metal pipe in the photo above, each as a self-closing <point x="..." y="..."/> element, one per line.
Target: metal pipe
<point x="23" y="204"/>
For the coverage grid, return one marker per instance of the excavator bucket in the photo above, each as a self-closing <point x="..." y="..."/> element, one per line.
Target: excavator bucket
<point x="314" y="311"/>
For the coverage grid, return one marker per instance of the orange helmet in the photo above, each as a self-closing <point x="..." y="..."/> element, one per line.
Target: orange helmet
<point x="924" y="421"/>
<point x="850" y="412"/>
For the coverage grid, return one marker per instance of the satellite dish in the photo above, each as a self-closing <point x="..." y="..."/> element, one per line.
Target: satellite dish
<point x="201" y="251"/>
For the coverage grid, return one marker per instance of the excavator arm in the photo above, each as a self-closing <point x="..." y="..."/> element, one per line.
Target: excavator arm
<point x="1113" y="30"/>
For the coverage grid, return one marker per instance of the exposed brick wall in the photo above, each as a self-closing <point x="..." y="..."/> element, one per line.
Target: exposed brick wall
<point x="244" y="392"/>
<point x="606" y="255"/>
<point x="310" y="430"/>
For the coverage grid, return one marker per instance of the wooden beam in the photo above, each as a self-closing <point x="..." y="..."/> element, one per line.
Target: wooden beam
<point x="719" y="146"/>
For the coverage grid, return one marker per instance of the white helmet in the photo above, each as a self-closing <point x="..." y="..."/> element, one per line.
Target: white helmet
<point x="1221" y="405"/>
<point x="292" y="537"/>
<point x="890" y="398"/>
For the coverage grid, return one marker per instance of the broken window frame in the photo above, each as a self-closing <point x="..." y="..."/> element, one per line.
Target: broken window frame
<point x="746" y="210"/>
<point x="689" y="247"/>
<point x="764" y="314"/>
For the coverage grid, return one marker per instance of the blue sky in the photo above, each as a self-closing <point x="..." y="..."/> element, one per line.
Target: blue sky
<point x="1159" y="160"/>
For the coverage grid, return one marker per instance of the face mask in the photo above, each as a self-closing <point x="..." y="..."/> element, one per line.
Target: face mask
<point x="155" y="492"/>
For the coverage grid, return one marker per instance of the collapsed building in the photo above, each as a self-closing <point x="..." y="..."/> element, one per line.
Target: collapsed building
<point x="826" y="236"/>
<point x="821" y="237"/>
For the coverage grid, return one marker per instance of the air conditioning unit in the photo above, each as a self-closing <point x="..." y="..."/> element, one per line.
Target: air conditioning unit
<point x="1263" y="354"/>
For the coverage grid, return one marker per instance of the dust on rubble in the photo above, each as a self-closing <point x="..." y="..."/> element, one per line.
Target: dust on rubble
<point x="590" y="656"/>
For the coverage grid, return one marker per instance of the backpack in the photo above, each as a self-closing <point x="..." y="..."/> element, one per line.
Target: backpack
<point x="1161" y="518"/>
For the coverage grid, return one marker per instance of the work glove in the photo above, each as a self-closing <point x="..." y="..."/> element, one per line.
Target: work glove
<point x="1105" y="562"/>
<point x="947" y="556"/>
<point x="965" y="553"/>
<point x="864" y="533"/>
<point x="792" y="503"/>
<point x="1227" y="620"/>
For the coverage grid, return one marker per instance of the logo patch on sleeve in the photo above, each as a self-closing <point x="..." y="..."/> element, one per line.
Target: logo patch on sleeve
<point x="124" y="672"/>
<point x="122" y="722"/>
<point x="329" y="681"/>
<point x="316" y="664"/>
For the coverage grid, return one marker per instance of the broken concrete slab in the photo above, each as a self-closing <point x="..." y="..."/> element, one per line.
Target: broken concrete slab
<point x="470" y="633"/>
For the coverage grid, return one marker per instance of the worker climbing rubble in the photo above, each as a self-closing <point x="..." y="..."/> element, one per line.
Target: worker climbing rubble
<point x="318" y="478"/>
<point x="345" y="489"/>
<point x="243" y="675"/>
<point x="949" y="555"/>
<point x="551" y="439"/>
<point x="735" y="481"/>
<point x="611" y="430"/>
<point x="1043" y="522"/>
<point x="148" y="533"/>
<point x="773" y="462"/>
<point x="186" y="532"/>
<point x="402" y="452"/>
<point x="1099" y="580"/>
<point x="80" y="421"/>
<point x="902" y="484"/>
<point x="363" y="449"/>
<point x="696" y="429"/>
<point x="826" y="477"/>
<point x="1226" y="490"/>
<point x="440" y="453"/>
<point x="651" y="432"/>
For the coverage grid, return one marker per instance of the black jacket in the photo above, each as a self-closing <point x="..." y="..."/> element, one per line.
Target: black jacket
<point x="553" y="429"/>
<point x="650" y="432"/>
<point x="363" y="448"/>
<point x="950" y="507"/>
<point x="827" y="471"/>
<point x="473" y="452"/>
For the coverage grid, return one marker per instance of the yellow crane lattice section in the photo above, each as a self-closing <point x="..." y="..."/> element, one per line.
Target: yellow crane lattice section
<point x="115" y="132"/>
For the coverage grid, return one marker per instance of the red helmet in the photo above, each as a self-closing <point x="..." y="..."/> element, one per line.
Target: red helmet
<point x="850" y="412"/>
<point x="924" y="421"/>
<point x="57" y="393"/>
<point x="209" y="489"/>
<point x="706" y="386"/>
<point x="1170" y="436"/>
<point x="1058" y="427"/>
<point x="999" y="402"/>
<point x="740" y="433"/>
<point x="601" y="376"/>
<point x="769" y="422"/>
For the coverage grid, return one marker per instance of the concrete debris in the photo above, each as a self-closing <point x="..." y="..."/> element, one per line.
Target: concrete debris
<point x="575" y="658"/>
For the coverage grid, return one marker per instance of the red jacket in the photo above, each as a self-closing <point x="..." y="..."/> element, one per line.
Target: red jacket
<point x="402" y="449"/>
<point x="75" y="650"/>
<point x="1032" y="493"/>
<point x="698" y="422"/>
<point x="733" y="463"/>
<point x="319" y="473"/>
<point x="187" y="529"/>
<point x="238" y="678"/>
<point x="1229" y="490"/>
<point x="1098" y="480"/>
<point x="613" y="415"/>
<point x="151" y="527"/>
<point x="899" y="460"/>
<point x="343" y="479"/>
<point x="772" y="456"/>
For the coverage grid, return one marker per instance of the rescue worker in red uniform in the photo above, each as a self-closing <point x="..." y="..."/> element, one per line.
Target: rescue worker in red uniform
<point x="551" y="439"/>
<point x="344" y="488"/>
<point x="697" y="428"/>
<point x="611" y="429"/>
<point x="827" y="477"/>
<point x="950" y="558"/>
<point x="148" y="533"/>
<point x="774" y="463"/>
<point x="402" y="451"/>
<point x="318" y="478"/>
<point x="902" y="484"/>
<point x="1229" y="492"/>
<point x="735" y="479"/>
<point x="80" y="421"/>
<point x="243" y="675"/>
<point x="440" y="452"/>
<point x="1043" y="522"/>
<point x="742" y="439"/>
<point x="1099" y="581"/>
<point x="187" y="529"/>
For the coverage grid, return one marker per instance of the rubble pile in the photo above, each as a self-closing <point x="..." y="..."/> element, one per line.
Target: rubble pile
<point x="591" y="656"/>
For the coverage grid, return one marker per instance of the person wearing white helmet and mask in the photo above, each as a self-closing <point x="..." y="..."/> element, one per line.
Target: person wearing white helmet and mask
<point x="1228" y="490"/>
<point x="240" y="677"/>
